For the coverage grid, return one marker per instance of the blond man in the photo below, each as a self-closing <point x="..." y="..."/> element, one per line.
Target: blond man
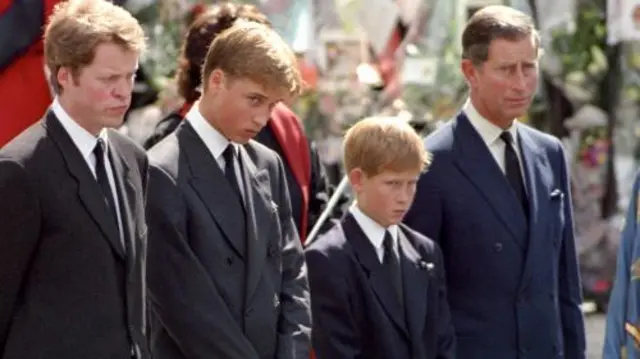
<point x="377" y="287"/>
<point x="72" y="230"/>
<point x="226" y="272"/>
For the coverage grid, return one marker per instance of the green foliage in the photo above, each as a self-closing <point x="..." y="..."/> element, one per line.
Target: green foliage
<point x="582" y="50"/>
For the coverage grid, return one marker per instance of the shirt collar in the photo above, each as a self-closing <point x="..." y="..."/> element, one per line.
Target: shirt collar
<point x="212" y="138"/>
<point x="487" y="130"/>
<point x="83" y="139"/>
<point x="374" y="231"/>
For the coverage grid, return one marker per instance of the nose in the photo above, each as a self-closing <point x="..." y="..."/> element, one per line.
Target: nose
<point x="123" y="89"/>
<point x="405" y="195"/>
<point x="262" y="119"/>
<point x="520" y="80"/>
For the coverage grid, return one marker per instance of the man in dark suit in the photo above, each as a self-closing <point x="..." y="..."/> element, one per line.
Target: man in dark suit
<point x="226" y="274"/>
<point x="378" y="288"/>
<point x="497" y="200"/>
<point x="72" y="236"/>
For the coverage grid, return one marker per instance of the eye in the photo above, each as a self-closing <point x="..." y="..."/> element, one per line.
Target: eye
<point x="255" y="100"/>
<point x="111" y="78"/>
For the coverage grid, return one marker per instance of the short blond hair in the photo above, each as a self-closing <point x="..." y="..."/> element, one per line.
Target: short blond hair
<point x="249" y="50"/>
<point x="378" y="144"/>
<point x="77" y="27"/>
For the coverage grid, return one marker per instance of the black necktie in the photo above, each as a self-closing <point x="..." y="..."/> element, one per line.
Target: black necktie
<point x="229" y="156"/>
<point x="391" y="262"/>
<point x="103" y="181"/>
<point x="512" y="169"/>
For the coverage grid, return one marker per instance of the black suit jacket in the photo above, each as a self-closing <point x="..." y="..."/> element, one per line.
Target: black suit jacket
<point x="66" y="288"/>
<point x="319" y="191"/>
<point x="355" y="312"/>
<point x="209" y="298"/>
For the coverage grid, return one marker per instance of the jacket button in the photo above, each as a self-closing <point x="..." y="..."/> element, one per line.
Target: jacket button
<point x="497" y="247"/>
<point x="249" y="312"/>
<point x="229" y="261"/>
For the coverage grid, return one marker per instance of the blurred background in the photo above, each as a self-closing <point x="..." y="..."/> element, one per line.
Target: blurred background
<point x="401" y="57"/>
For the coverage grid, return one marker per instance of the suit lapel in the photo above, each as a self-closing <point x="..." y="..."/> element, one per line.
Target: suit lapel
<point x="537" y="173"/>
<point x="214" y="190"/>
<point x="475" y="161"/>
<point x="261" y="212"/>
<point x="415" y="279"/>
<point x="126" y="196"/>
<point x="378" y="278"/>
<point x="89" y="191"/>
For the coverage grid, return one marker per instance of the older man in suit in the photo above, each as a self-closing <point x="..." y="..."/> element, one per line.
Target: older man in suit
<point x="72" y="236"/>
<point x="227" y="277"/>
<point x="497" y="201"/>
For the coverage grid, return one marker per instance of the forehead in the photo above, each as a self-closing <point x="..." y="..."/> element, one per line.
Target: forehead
<point x="502" y="51"/>
<point x="402" y="175"/>
<point x="248" y="86"/>
<point x="111" y="57"/>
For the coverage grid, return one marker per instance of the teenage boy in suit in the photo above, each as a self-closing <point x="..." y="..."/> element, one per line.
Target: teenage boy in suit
<point x="377" y="286"/>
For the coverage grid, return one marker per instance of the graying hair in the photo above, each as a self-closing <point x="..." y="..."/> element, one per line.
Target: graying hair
<point x="495" y="22"/>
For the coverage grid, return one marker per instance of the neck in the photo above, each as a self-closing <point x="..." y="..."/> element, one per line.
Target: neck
<point x="210" y="118"/>
<point x="74" y="113"/>
<point x="503" y="123"/>
<point x="364" y="210"/>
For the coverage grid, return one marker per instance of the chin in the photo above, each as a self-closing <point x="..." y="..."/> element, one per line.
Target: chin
<point x="242" y="140"/>
<point x="113" y="122"/>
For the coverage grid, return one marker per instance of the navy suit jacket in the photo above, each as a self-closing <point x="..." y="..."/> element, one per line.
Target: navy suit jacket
<point x="354" y="308"/>
<point x="512" y="280"/>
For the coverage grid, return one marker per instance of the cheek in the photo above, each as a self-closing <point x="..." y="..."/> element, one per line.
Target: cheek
<point x="532" y="82"/>
<point x="97" y="94"/>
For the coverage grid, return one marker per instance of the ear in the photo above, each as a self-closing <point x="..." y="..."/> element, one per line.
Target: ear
<point x="470" y="72"/>
<point x="356" y="179"/>
<point x="216" y="79"/>
<point x="64" y="77"/>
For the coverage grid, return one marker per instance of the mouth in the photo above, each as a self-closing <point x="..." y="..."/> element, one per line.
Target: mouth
<point x="518" y="102"/>
<point x="399" y="212"/>
<point x="118" y="110"/>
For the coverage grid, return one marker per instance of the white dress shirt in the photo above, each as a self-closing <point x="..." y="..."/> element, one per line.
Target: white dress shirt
<point x="374" y="231"/>
<point x="490" y="135"/>
<point x="214" y="141"/>
<point x="86" y="143"/>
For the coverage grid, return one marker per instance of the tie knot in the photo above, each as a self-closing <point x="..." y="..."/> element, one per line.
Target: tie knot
<point x="506" y="137"/>
<point x="229" y="153"/>
<point x="98" y="151"/>
<point x="387" y="242"/>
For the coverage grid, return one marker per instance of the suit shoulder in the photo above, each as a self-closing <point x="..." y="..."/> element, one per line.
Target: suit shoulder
<point x="419" y="239"/>
<point x="262" y="151"/>
<point x="128" y="148"/>
<point x="440" y="140"/>
<point x="263" y="156"/>
<point x="331" y="244"/>
<point x="544" y="140"/>
<point x="166" y="154"/>
<point x="27" y="145"/>
<point x="126" y="144"/>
